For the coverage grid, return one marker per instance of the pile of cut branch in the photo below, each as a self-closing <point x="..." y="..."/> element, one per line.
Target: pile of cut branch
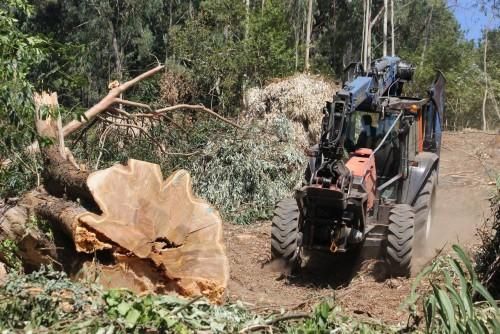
<point x="125" y="225"/>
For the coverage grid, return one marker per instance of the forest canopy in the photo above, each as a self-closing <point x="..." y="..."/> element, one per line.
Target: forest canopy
<point x="214" y="51"/>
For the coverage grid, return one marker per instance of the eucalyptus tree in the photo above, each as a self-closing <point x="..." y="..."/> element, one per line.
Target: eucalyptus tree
<point x="20" y="53"/>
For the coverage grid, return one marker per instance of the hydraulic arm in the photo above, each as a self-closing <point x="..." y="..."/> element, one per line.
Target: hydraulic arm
<point x="385" y="78"/>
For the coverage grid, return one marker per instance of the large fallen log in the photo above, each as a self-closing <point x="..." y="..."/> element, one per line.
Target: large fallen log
<point x="157" y="235"/>
<point x="160" y="236"/>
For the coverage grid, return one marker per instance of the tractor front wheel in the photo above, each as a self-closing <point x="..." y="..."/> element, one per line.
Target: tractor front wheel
<point x="400" y="238"/>
<point x="423" y="211"/>
<point x="284" y="232"/>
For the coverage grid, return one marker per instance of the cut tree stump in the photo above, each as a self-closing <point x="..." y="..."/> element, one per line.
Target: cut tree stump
<point x="160" y="223"/>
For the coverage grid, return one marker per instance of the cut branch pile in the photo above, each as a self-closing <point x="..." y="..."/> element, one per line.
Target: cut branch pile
<point x="299" y="98"/>
<point x="147" y="234"/>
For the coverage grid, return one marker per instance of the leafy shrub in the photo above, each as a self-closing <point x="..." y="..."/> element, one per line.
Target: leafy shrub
<point x="245" y="176"/>
<point x="48" y="301"/>
<point x="451" y="303"/>
<point x="488" y="256"/>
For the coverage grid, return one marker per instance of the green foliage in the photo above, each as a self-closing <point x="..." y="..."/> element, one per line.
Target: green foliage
<point x="223" y="60"/>
<point x="48" y="300"/>
<point x="439" y="44"/>
<point x="451" y="297"/>
<point x="327" y="319"/>
<point x="8" y="254"/>
<point x="451" y="306"/>
<point x="210" y="46"/>
<point x="488" y="255"/>
<point x="20" y="53"/>
<point x="268" y="50"/>
<point x="245" y="176"/>
<point x="172" y="313"/>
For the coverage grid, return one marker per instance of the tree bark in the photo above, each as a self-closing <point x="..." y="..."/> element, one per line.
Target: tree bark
<point x="308" y="35"/>
<point x="369" y="35"/>
<point x="32" y="246"/>
<point x="62" y="178"/>
<point x="385" y="27"/>
<point x="393" y="52"/>
<point x="485" y="126"/>
<point x="118" y="57"/>
<point x="247" y="18"/>
<point x="61" y="175"/>
<point x="107" y="101"/>
<point x="363" y="37"/>
<point x="426" y="37"/>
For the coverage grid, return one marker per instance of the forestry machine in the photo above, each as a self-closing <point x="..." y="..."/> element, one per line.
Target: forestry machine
<point x="371" y="179"/>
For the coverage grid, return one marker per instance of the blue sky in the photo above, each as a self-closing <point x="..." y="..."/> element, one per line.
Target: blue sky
<point x="471" y="19"/>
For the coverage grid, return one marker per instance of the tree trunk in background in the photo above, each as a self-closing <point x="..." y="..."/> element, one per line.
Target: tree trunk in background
<point x="117" y="54"/>
<point x="485" y="126"/>
<point x="170" y="2"/>
<point x="369" y="34"/>
<point x="426" y="37"/>
<point x="385" y="27"/>
<point x="393" y="52"/>
<point x="297" y="40"/>
<point x="247" y="18"/>
<point x="308" y="34"/>
<point x="334" y="30"/>
<point x="363" y="38"/>
<point x="191" y="9"/>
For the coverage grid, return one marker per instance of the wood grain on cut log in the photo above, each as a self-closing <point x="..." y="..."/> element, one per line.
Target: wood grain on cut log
<point x="161" y="222"/>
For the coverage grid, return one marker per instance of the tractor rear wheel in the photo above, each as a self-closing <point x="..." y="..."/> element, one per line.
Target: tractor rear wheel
<point x="400" y="237"/>
<point x="423" y="210"/>
<point x="284" y="231"/>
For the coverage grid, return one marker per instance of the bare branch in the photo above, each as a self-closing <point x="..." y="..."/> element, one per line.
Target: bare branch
<point x="107" y="101"/>
<point x="149" y="136"/>
<point x="122" y="112"/>
<point x="133" y="104"/>
<point x="140" y="128"/>
<point x="198" y="107"/>
<point x="375" y="20"/>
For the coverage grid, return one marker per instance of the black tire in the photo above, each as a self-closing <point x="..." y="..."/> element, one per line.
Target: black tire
<point x="400" y="238"/>
<point x="424" y="209"/>
<point x="284" y="231"/>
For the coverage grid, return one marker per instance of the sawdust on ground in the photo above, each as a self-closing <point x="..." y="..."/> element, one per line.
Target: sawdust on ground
<point x="468" y="164"/>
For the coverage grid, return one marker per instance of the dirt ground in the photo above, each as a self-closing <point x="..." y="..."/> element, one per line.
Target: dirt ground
<point x="467" y="171"/>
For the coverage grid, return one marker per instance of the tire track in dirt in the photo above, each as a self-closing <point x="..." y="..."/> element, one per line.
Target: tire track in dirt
<point x="468" y="164"/>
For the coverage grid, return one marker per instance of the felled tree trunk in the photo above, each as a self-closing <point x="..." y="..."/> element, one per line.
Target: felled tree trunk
<point x="159" y="237"/>
<point x="61" y="177"/>
<point x="22" y="240"/>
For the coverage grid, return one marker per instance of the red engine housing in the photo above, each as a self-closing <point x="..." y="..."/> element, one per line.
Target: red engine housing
<point x="362" y="165"/>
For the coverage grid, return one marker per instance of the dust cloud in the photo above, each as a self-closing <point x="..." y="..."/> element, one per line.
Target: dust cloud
<point x="469" y="162"/>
